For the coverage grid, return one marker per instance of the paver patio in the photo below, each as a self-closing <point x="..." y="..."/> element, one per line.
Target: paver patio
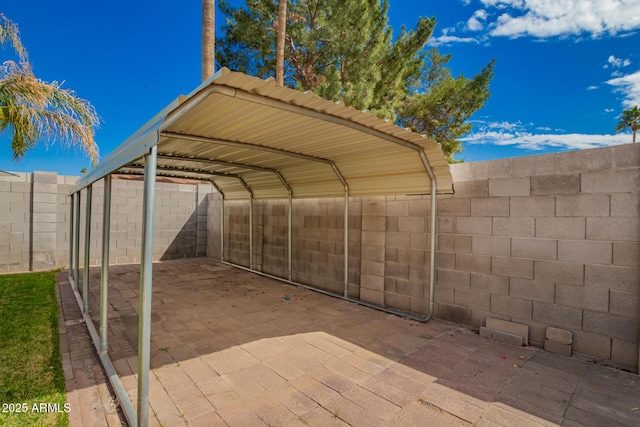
<point x="234" y="348"/>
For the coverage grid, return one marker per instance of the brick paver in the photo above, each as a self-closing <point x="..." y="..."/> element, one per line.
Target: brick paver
<point x="229" y="349"/>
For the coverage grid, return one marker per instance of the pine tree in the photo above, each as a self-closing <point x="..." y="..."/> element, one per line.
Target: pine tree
<point x="341" y="50"/>
<point x="441" y="105"/>
<point x="346" y="51"/>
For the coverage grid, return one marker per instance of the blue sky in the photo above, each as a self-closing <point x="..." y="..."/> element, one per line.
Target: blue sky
<point x="565" y="68"/>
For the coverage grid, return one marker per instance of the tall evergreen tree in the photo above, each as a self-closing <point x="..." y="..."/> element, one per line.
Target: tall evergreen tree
<point x="440" y="105"/>
<point x="346" y="51"/>
<point x="342" y="50"/>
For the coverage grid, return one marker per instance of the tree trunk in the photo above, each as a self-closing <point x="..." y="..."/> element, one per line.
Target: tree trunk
<point x="634" y="128"/>
<point x="282" y="29"/>
<point x="208" y="38"/>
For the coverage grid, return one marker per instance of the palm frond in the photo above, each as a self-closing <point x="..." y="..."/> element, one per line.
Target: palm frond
<point x="33" y="110"/>
<point x="9" y="33"/>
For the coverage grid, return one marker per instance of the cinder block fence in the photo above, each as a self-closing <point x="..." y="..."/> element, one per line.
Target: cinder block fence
<point x="34" y="221"/>
<point x="549" y="240"/>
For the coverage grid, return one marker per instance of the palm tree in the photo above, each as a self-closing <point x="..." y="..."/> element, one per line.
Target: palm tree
<point x="208" y="38"/>
<point x="32" y="110"/>
<point x="630" y="118"/>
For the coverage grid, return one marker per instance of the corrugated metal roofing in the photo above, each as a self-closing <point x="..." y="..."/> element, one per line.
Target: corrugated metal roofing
<point x="247" y="135"/>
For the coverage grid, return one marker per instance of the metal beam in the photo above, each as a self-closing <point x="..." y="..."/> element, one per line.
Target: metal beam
<point x="87" y="250"/>
<point x="187" y="170"/>
<point x="222" y="228"/>
<point x="215" y="162"/>
<point x="289" y="234"/>
<point x="230" y="164"/>
<point x="146" y="273"/>
<point x="257" y="147"/>
<point x="76" y="254"/>
<point x="346" y="243"/>
<point x="71" y="206"/>
<point x="208" y="174"/>
<point x="251" y="231"/>
<point x="104" y="273"/>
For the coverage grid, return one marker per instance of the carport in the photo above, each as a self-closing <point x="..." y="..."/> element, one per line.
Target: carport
<point x="252" y="140"/>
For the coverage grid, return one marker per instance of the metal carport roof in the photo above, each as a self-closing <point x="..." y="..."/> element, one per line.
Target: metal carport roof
<point x="252" y="140"/>
<point x="237" y="131"/>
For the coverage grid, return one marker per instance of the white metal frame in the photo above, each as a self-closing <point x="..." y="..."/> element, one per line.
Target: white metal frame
<point x="100" y="340"/>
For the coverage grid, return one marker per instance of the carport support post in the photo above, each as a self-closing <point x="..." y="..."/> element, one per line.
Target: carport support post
<point x="146" y="269"/>
<point x="104" y="276"/>
<point x="76" y="254"/>
<point x="289" y="215"/>
<point x="346" y="243"/>
<point x="432" y="247"/>
<point x="87" y="250"/>
<point x="71" y="205"/>
<point x="221" y="227"/>
<point x="251" y="232"/>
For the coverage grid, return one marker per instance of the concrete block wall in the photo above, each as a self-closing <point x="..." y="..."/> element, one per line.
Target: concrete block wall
<point x="317" y="239"/>
<point x="388" y="245"/>
<point x="546" y="241"/>
<point x="34" y="221"/>
<point x="318" y="243"/>
<point x="394" y="255"/>
<point x="550" y="240"/>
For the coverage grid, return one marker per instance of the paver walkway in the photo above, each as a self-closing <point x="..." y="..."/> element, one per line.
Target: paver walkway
<point x="233" y="348"/>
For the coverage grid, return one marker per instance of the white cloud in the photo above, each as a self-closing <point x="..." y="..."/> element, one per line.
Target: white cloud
<point x="609" y="110"/>
<point x="592" y="87"/>
<point x="629" y="86"/>
<point x="561" y="18"/>
<point x="518" y="135"/>
<point x="617" y="62"/>
<point x="530" y="141"/>
<point x="446" y="40"/>
<point x="502" y="126"/>
<point x="476" y="22"/>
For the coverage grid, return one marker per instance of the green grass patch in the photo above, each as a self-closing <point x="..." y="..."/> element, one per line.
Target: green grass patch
<point x="30" y="363"/>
